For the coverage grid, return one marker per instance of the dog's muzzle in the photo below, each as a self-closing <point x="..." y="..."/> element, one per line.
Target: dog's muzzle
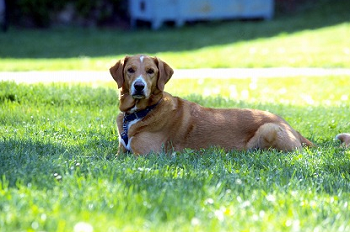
<point x="138" y="90"/>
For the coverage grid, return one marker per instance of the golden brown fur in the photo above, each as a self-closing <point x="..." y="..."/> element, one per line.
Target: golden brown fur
<point x="175" y="124"/>
<point x="345" y="139"/>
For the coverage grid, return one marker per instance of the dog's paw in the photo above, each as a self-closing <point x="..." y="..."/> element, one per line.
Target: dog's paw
<point x="344" y="138"/>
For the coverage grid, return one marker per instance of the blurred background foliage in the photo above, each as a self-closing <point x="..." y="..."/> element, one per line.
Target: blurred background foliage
<point x="106" y="13"/>
<point x="47" y="13"/>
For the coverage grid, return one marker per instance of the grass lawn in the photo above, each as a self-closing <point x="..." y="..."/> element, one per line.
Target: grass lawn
<point x="58" y="171"/>
<point x="317" y="37"/>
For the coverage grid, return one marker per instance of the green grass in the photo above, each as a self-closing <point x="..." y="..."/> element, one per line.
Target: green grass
<point x="317" y="37"/>
<point x="57" y="163"/>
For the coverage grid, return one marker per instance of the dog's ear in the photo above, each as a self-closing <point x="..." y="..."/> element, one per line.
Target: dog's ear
<point x="117" y="72"/>
<point x="164" y="73"/>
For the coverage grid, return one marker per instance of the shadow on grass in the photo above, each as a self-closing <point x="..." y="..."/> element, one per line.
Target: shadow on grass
<point x="77" y="42"/>
<point x="36" y="163"/>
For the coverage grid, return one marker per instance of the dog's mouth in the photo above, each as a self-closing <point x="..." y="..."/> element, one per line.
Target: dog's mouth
<point x="138" y="96"/>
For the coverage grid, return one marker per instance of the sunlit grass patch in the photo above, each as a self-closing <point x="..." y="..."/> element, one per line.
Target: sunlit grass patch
<point x="226" y="45"/>
<point x="298" y="91"/>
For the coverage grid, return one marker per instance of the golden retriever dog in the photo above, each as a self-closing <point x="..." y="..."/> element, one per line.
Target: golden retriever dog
<point x="152" y="120"/>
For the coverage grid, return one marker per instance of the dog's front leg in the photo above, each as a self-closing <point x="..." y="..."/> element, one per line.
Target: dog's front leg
<point x="135" y="147"/>
<point x="130" y="148"/>
<point x="121" y="149"/>
<point x="146" y="143"/>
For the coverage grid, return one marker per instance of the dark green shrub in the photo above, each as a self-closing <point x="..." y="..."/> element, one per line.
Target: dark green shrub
<point x="41" y="13"/>
<point x="36" y="12"/>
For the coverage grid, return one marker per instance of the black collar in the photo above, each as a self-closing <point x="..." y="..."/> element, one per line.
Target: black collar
<point x="139" y="114"/>
<point x="131" y="117"/>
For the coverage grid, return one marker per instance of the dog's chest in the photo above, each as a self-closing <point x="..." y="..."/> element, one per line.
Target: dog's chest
<point x="130" y="120"/>
<point x="124" y="138"/>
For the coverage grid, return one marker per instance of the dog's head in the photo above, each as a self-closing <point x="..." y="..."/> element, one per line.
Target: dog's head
<point x="141" y="76"/>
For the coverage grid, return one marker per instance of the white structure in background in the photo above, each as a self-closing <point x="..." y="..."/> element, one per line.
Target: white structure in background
<point x="179" y="11"/>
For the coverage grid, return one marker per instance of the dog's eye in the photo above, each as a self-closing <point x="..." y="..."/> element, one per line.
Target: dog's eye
<point x="150" y="71"/>
<point x="131" y="70"/>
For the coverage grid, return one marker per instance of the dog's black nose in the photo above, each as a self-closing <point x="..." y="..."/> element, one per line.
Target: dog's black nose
<point x="139" y="86"/>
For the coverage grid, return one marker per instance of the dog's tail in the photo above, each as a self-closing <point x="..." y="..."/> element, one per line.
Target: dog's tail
<point x="305" y="142"/>
<point x="344" y="138"/>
